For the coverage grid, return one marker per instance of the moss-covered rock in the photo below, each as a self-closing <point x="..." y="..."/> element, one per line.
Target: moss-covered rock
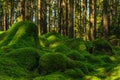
<point x="27" y="58"/>
<point x="21" y="34"/>
<point x="61" y="48"/>
<point x="75" y="55"/>
<point x="101" y="46"/>
<point x="76" y="44"/>
<point x="51" y="62"/>
<point x="74" y="73"/>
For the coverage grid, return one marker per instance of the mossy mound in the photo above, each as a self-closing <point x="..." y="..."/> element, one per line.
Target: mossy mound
<point x="61" y="48"/>
<point x="74" y="73"/>
<point x="76" y="55"/>
<point x="28" y="58"/>
<point x="51" y="39"/>
<point x="51" y="77"/>
<point x="76" y="44"/>
<point x="10" y="68"/>
<point x="102" y="46"/>
<point x="51" y="62"/>
<point x="21" y="34"/>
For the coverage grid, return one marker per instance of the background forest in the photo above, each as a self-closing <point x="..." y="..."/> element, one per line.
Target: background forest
<point x="59" y="39"/>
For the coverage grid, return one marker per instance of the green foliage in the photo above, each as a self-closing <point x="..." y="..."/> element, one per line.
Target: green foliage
<point x="101" y="46"/>
<point x="27" y="58"/>
<point x="51" y="62"/>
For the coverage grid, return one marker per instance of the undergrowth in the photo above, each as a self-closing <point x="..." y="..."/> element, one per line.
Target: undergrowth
<point x="26" y="56"/>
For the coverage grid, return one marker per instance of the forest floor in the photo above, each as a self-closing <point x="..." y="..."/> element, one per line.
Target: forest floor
<point x="26" y="56"/>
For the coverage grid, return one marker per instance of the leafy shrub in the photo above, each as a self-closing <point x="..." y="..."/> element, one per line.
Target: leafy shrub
<point x="51" y="62"/>
<point x="102" y="46"/>
<point x="75" y="55"/>
<point x="27" y="58"/>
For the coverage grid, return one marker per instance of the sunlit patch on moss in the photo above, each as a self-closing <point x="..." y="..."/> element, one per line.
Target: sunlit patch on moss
<point x="92" y="78"/>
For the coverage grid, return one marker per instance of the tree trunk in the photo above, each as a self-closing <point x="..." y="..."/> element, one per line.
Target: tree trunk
<point x="22" y="9"/>
<point x="105" y="19"/>
<point x="92" y="20"/>
<point x="70" y="18"/>
<point x="5" y="15"/>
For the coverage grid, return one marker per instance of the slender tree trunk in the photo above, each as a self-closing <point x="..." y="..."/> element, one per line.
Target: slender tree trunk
<point x="22" y="9"/>
<point x="70" y="18"/>
<point x="105" y="19"/>
<point x="66" y="17"/>
<point x="39" y="15"/>
<point x="60" y="15"/>
<point x="12" y="12"/>
<point x="84" y="17"/>
<point x="5" y="15"/>
<point x="92" y="20"/>
<point x="43" y="17"/>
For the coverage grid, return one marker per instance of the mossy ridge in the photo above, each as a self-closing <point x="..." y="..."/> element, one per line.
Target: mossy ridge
<point x="52" y="62"/>
<point x="21" y="34"/>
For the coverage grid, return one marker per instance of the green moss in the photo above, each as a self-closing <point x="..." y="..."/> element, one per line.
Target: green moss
<point x="102" y="46"/>
<point x="61" y="48"/>
<point x="51" y="77"/>
<point x="21" y="34"/>
<point x="76" y="44"/>
<point x="10" y="68"/>
<point x="74" y="73"/>
<point x="27" y="58"/>
<point x="51" y="39"/>
<point x="51" y="62"/>
<point x="75" y="55"/>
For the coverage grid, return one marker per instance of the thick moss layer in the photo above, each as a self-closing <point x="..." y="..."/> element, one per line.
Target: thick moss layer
<point x="52" y="62"/>
<point x="21" y="34"/>
<point x="28" y="58"/>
